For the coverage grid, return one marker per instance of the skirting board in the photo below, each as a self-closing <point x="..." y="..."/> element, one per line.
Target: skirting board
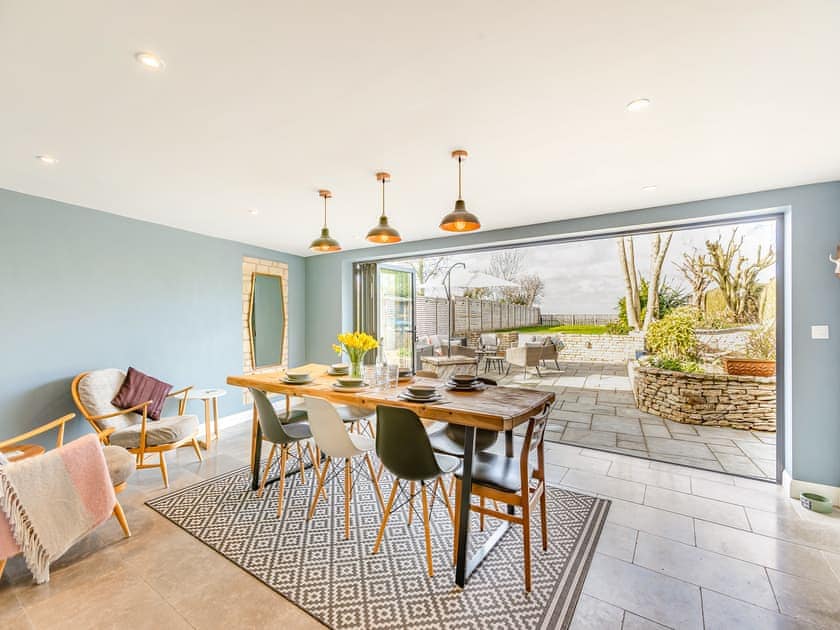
<point x="794" y="487"/>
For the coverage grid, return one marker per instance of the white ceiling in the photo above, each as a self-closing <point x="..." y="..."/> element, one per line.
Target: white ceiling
<point x="262" y="103"/>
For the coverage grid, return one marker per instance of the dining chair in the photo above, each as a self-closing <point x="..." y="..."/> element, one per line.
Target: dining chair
<point x="283" y="432"/>
<point x="508" y="480"/>
<point x="130" y="428"/>
<point x="404" y="449"/>
<point x="334" y="441"/>
<point x="358" y="419"/>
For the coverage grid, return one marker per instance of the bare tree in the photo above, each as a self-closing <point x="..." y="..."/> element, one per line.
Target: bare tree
<point x="531" y="289"/>
<point x="627" y="258"/>
<point x="694" y="268"/>
<point x="658" y="250"/>
<point x="737" y="276"/>
<point x="427" y="267"/>
<point x="507" y="264"/>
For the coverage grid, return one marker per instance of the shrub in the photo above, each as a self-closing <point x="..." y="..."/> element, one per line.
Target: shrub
<point x="676" y="365"/>
<point x="761" y="343"/>
<point x="673" y="336"/>
<point x="617" y="328"/>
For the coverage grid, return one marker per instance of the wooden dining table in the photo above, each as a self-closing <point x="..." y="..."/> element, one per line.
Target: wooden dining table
<point x="496" y="408"/>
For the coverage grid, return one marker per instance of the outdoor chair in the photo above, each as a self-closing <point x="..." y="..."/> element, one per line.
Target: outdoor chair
<point x="130" y="428"/>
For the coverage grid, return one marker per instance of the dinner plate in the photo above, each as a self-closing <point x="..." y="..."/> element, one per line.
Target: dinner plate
<point x="476" y="386"/>
<point x="350" y="390"/>
<point x="409" y="398"/>
<point x="298" y="381"/>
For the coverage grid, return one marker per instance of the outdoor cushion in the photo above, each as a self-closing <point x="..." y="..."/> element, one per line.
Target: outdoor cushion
<point x="121" y="463"/>
<point x="138" y="388"/>
<point x="96" y="391"/>
<point x="164" y="431"/>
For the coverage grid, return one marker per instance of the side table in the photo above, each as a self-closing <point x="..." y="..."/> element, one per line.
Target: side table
<point x="210" y="396"/>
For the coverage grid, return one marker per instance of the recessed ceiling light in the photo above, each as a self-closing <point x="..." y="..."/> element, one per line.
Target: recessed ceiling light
<point x="149" y="60"/>
<point x="47" y="159"/>
<point x="253" y="211"/>
<point x="650" y="188"/>
<point x="638" y="105"/>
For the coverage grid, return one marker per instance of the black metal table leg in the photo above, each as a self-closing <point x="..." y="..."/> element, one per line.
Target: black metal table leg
<point x="464" y="513"/>
<point x="509" y="453"/>
<point x="255" y="465"/>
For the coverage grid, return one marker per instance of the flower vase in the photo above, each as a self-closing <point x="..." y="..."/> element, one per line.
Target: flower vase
<point x="356" y="368"/>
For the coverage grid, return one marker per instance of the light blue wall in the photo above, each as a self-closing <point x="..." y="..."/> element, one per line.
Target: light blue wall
<point x="81" y="289"/>
<point x="813" y="396"/>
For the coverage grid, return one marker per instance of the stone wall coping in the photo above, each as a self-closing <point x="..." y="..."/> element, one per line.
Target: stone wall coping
<point x="702" y="376"/>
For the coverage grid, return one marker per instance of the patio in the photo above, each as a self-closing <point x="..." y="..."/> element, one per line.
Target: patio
<point x="595" y="408"/>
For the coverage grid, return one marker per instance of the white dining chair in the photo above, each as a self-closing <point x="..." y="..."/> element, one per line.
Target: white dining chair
<point x="333" y="440"/>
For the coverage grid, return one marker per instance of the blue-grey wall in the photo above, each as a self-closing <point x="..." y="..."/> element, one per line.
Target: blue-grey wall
<point x="82" y="289"/>
<point x="813" y="292"/>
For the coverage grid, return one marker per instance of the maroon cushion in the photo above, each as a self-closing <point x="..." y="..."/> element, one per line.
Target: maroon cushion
<point x="138" y="388"/>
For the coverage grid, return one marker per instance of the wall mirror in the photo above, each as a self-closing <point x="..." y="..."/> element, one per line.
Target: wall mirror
<point x="266" y="320"/>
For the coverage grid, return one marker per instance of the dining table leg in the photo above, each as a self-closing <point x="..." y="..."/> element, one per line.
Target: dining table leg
<point x="464" y="513"/>
<point x="256" y="451"/>
<point x="509" y="453"/>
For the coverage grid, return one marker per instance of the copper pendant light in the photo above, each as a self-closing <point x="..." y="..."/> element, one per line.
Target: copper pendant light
<point x="460" y="220"/>
<point x="382" y="233"/>
<point x="325" y="242"/>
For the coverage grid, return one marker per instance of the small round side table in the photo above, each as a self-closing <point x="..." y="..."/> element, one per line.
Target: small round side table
<point x="210" y="396"/>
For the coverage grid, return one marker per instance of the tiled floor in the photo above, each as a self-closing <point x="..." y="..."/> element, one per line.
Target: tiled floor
<point x="682" y="548"/>
<point x="595" y="407"/>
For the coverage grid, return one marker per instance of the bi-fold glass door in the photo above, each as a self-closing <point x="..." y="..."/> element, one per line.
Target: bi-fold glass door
<point x="395" y="314"/>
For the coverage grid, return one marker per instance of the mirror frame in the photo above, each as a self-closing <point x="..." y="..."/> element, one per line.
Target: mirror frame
<point x="279" y="279"/>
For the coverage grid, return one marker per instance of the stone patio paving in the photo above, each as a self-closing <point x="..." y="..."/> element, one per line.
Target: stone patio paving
<point x="595" y="408"/>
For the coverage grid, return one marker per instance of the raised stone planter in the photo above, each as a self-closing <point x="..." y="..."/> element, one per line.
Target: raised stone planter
<point x="718" y="400"/>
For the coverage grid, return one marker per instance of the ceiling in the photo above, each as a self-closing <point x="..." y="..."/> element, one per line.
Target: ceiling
<point x="263" y="103"/>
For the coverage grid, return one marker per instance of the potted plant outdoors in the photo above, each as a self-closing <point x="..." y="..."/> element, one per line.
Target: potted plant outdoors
<point x="759" y="358"/>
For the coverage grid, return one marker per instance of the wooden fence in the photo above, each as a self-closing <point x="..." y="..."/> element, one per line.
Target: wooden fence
<point x="577" y="319"/>
<point x="471" y="315"/>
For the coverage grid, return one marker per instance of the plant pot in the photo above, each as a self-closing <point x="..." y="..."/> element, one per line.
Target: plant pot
<point x="737" y="366"/>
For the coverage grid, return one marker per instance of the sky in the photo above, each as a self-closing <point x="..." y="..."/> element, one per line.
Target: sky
<point x="586" y="277"/>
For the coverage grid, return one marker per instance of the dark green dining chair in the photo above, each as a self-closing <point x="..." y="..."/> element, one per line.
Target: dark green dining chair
<point x="403" y="448"/>
<point x="282" y="431"/>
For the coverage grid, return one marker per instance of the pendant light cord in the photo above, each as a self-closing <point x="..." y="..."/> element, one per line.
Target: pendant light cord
<point x="383" y="196"/>
<point x="325" y="211"/>
<point x="459" y="177"/>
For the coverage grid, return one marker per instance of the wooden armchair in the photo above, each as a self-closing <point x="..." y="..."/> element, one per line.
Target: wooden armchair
<point x="120" y="464"/>
<point x="130" y="428"/>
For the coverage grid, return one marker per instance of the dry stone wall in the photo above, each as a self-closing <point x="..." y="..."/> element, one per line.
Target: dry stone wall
<point x="719" y="400"/>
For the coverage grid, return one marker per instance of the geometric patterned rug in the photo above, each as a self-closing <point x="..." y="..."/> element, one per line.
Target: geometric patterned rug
<point x="341" y="584"/>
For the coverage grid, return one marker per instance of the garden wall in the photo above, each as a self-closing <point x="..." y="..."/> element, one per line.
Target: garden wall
<point x="719" y="400"/>
<point x="593" y="348"/>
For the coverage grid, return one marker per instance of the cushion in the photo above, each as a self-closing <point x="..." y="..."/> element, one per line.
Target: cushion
<point x="96" y="391"/>
<point x="121" y="463"/>
<point x="138" y="388"/>
<point x="164" y="431"/>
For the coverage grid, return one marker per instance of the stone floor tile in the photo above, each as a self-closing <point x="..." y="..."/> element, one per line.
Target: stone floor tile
<point x="593" y="614"/>
<point x="658" y="478"/>
<point x="703" y="464"/>
<point x="607" y="486"/>
<point x="634" y="622"/>
<point x="652" y="520"/>
<point x="725" y="613"/>
<point x="697" y="507"/>
<point x="817" y="534"/>
<point x="765" y="551"/>
<point x="739" y="579"/>
<point x="748" y="497"/>
<point x="588" y="408"/>
<point x="817" y="602"/>
<point x="758" y="450"/>
<point x="679" y="427"/>
<point x="617" y="541"/>
<point x="655" y="430"/>
<point x="630" y="426"/>
<point x="589" y="438"/>
<point x="679" y="447"/>
<point x="700" y="473"/>
<point x="646" y="593"/>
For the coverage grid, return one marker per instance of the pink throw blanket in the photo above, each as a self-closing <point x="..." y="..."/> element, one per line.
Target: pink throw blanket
<point x="49" y="502"/>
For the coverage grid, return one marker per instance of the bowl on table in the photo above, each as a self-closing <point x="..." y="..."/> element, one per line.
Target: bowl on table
<point x="349" y="381"/>
<point x="297" y="376"/>
<point x="463" y="379"/>
<point x="421" y="391"/>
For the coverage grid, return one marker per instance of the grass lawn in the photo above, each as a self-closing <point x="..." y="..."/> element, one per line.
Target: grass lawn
<point x="575" y="330"/>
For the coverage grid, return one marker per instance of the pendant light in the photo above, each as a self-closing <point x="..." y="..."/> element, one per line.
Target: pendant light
<point x="459" y="220"/>
<point x="325" y="242"/>
<point x="382" y="233"/>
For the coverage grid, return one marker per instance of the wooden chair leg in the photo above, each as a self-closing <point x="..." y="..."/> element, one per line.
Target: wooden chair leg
<point x="164" y="473"/>
<point x="284" y="454"/>
<point x="267" y="468"/>
<point x="197" y="450"/>
<point x="319" y="490"/>
<point x="118" y="512"/>
<point x="386" y="514"/>
<point x="481" y="515"/>
<point x="348" y="488"/>
<point x="375" y="482"/>
<point x="451" y="486"/>
<point x="526" y="541"/>
<point x="300" y="461"/>
<point x="2" y="567"/>
<point x="426" y="529"/>
<point x="445" y="497"/>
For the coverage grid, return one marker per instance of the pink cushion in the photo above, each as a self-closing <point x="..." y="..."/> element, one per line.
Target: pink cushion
<point x="138" y="388"/>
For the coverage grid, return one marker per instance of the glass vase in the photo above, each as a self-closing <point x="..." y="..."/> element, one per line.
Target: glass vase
<point x="356" y="368"/>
